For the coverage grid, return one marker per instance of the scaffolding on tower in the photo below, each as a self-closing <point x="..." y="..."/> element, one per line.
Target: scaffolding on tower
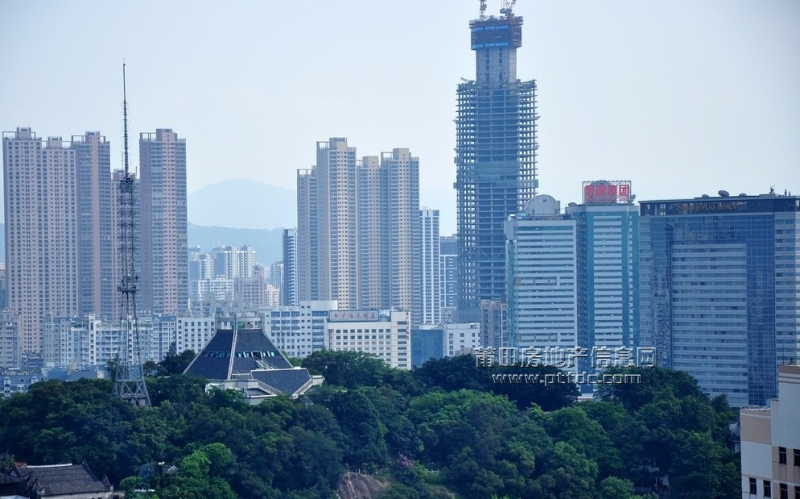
<point x="128" y="376"/>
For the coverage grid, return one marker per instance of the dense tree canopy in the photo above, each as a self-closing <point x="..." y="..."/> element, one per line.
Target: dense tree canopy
<point x="444" y="429"/>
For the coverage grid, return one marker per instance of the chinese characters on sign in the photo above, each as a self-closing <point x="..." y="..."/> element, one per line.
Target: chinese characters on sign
<point x="604" y="191"/>
<point x="353" y="315"/>
<point x="600" y="357"/>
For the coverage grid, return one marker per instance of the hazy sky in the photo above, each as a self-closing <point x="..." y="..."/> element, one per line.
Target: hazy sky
<point x="681" y="97"/>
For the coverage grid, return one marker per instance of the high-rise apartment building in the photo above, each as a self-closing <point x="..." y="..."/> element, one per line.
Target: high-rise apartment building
<point x="495" y="158"/>
<point x="373" y="241"/>
<point x="427" y="279"/>
<point x="357" y="227"/>
<point x="95" y="235"/>
<point x="328" y="225"/>
<point x="164" y="245"/>
<point x="402" y="172"/>
<point x="719" y="289"/>
<point x="289" y="282"/>
<point x="41" y="229"/>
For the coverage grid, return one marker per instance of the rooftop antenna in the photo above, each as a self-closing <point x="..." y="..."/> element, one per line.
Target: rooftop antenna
<point x="129" y="376"/>
<point x="483" y="9"/>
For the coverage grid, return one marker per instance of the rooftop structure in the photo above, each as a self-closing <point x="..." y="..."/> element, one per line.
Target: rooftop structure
<point x="240" y="356"/>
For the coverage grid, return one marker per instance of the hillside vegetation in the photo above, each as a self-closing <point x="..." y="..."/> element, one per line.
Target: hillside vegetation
<point x="444" y="430"/>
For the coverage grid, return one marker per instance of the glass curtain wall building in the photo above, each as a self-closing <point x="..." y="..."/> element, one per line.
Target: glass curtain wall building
<point x="495" y="158"/>
<point x="719" y="290"/>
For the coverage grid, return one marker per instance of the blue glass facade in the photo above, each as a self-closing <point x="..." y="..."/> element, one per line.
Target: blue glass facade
<point x="719" y="289"/>
<point x="426" y="344"/>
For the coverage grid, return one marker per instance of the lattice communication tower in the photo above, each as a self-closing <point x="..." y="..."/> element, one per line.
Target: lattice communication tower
<point x="129" y="376"/>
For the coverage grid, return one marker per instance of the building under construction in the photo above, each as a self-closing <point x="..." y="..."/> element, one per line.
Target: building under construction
<point x="495" y="157"/>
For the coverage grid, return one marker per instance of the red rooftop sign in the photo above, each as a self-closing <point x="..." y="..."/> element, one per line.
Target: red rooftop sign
<point x="607" y="191"/>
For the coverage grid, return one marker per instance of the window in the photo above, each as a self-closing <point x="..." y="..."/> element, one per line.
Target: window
<point x="784" y="491"/>
<point x="753" y="488"/>
<point x="767" y="489"/>
<point x="797" y="457"/>
<point x="797" y="492"/>
<point x="782" y="455"/>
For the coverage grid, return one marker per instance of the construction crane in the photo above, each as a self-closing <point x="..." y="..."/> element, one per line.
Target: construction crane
<point x="507" y="7"/>
<point x="129" y="376"/>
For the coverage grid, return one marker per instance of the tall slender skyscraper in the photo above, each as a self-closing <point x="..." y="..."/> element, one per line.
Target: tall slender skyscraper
<point x="427" y="280"/>
<point x="164" y="244"/>
<point x="41" y="225"/>
<point x="289" y="283"/>
<point x="495" y="157"/>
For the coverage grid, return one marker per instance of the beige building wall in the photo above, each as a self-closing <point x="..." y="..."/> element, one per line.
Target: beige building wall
<point x="387" y="336"/>
<point x="403" y="173"/>
<point x="165" y="259"/>
<point x="373" y="237"/>
<point x="770" y="442"/>
<point x="41" y="231"/>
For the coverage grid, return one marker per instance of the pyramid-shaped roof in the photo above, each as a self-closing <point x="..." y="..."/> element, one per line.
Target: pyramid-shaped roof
<point x="248" y="353"/>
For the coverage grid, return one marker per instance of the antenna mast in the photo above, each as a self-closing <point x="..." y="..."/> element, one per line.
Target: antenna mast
<point x="129" y="376"/>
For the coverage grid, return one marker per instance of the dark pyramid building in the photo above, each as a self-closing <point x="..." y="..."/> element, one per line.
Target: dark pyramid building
<point x="240" y="356"/>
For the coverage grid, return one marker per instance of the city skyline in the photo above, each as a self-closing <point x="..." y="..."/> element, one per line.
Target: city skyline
<point x="669" y="95"/>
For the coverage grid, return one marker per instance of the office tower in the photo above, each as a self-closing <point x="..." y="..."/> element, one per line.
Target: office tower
<point x="608" y="267"/>
<point x="357" y="224"/>
<point x="93" y="161"/>
<point x="232" y="261"/>
<point x="289" y="283"/>
<point x="718" y="292"/>
<point x="448" y="267"/>
<point x="164" y="245"/>
<point x="427" y="280"/>
<point x="494" y="323"/>
<point x="41" y="227"/>
<point x="542" y="276"/>
<point x="495" y="157"/>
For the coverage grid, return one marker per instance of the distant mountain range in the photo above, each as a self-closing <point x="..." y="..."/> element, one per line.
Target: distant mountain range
<point x="267" y="243"/>
<point x="244" y="204"/>
<point x="242" y="211"/>
<point x="249" y="204"/>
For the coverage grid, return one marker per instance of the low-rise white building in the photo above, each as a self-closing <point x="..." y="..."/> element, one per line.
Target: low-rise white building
<point x="386" y="334"/>
<point x="770" y="442"/>
<point x="299" y="330"/>
<point x="193" y="333"/>
<point x="461" y="338"/>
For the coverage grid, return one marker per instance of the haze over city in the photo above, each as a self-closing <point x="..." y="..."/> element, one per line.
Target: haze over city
<point x="679" y="97"/>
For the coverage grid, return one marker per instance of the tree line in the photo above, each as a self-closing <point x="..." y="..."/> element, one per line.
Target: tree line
<point x="442" y="430"/>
